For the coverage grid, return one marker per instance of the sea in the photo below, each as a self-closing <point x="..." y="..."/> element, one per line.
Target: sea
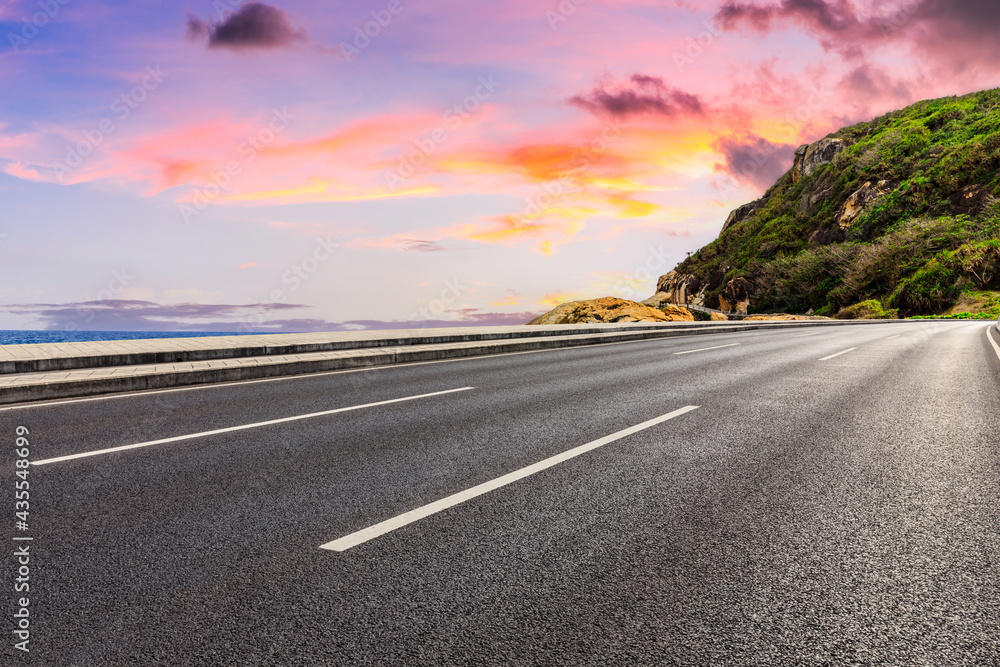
<point x="26" y="337"/>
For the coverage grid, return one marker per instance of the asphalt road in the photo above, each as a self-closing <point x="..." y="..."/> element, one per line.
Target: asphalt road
<point x="809" y="511"/>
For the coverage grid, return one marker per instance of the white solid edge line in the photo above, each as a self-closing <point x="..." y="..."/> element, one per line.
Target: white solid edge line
<point x="838" y="354"/>
<point x="996" y="348"/>
<point x="362" y="536"/>
<point x="706" y="349"/>
<point x="178" y="438"/>
<point x="811" y="334"/>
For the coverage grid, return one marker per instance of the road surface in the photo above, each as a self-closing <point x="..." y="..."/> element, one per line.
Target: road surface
<point x="827" y="496"/>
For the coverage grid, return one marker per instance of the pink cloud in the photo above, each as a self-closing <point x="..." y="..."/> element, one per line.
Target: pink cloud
<point x="17" y="170"/>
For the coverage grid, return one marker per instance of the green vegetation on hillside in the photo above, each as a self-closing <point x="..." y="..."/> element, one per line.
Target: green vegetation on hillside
<point x="925" y="237"/>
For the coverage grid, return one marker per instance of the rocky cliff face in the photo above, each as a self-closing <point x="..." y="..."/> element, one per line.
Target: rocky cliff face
<point x="810" y="157"/>
<point x="611" y="309"/>
<point x="677" y="289"/>
<point x="739" y="214"/>
<point x="688" y="290"/>
<point x="736" y="297"/>
<point x="861" y="200"/>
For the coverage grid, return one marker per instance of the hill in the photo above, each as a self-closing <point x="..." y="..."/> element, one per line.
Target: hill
<point x="895" y="215"/>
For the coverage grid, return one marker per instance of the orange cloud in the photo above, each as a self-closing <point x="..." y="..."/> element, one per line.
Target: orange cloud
<point x="603" y="171"/>
<point x="553" y="299"/>
<point x="608" y="172"/>
<point x="566" y="178"/>
<point x="392" y="132"/>
<point x="325" y="192"/>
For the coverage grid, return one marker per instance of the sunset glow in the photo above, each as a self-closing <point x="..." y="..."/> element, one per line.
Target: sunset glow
<point x="524" y="146"/>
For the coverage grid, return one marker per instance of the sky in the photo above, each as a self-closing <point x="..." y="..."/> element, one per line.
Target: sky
<point x="313" y="166"/>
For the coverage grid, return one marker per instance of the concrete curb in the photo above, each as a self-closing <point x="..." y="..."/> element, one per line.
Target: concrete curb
<point x="141" y="379"/>
<point x="233" y="348"/>
<point x="236" y="351"/>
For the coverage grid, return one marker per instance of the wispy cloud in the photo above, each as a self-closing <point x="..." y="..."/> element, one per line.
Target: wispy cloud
<point x="420" y="245"/>
<point x="135" y="315"/>
<point x="476" y="319"/>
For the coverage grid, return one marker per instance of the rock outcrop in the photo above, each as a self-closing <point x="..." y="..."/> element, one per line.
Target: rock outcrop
<point x="658" y="300"/>
<point x="970" y="200"/>
<point x="611" y="309"/>
<point x="810" y="157"/>
<point x="859" y="202"/>
<point x="677" y="288"/>
<point x="820" y="196"/>
<point x="735" y="298"/>
<point x="862" y="200"/>
<point x="827" y="236"/>
<point x="742" y="213"/>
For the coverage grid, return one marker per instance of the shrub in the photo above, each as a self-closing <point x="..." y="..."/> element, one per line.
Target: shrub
<point x="933" y="288"/>
<point x="867" y="310"/>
